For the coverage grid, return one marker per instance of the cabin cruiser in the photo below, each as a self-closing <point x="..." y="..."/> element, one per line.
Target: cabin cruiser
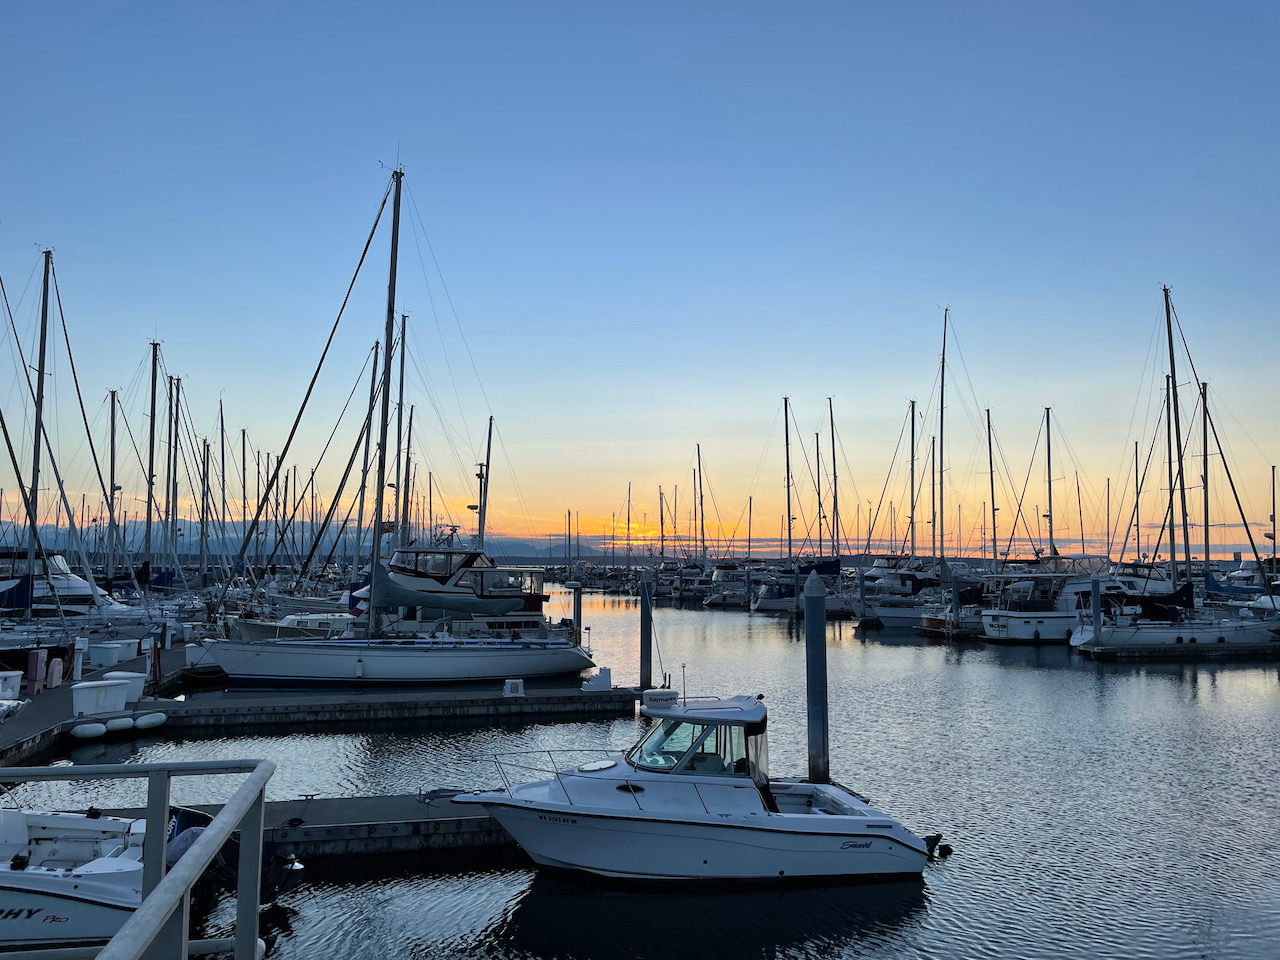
<point x="1045" y="602"/>
<point x="693" y="800"/>
<point x="730" y="586"/>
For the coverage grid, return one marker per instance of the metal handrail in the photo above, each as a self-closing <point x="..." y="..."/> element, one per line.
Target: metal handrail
<point x="158" y="928"/>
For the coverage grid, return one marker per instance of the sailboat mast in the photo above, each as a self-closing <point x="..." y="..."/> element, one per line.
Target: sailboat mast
<point x="628" y="525"/>
<point x="817" y="459"/>
<point x="222" y="475"/>
<point x="32" y="534"/>
<point x="1177" y="426"/>
<point x="389" y="336"/>
<point x="1048" y="462"/>
<point x="942" y="447"/>
<point x="835" y="483"/>
<point x="364" y="468"/>
<point x="174" y="445"/>
<point x="151" y="451"/>
<point x="786" y="432"/>
<point x="911" y="516"/>
<point x="1204" y="469"/>
<point x="1168" y="439"/>
<point x="399" y="538"/>
<point x="749" y="528"/>
<point x="111" y="491"/>
<point x="662" y="524"/>
<point x="702" y="507"/>
<point x="204" y="516"/>
<point x="404" y="501"/>
<point x="1137" y="515"/>
<point x="933" y="502"/>
<point x="991" y="469"/>
<point x="484" y="483"/>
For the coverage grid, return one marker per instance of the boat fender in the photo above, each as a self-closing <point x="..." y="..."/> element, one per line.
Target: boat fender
<point x="1036" y="635"/>
<point x="88" y="731"/>
<point x="149" y="721"/>
<point x="117" y="724"/>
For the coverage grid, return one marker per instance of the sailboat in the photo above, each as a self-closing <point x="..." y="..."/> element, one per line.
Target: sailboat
<point x="1126" y="634"/>
<point x="436" y="653"/>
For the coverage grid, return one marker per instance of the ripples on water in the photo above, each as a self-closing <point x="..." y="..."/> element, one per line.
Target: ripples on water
<point x="1096" y="810"/>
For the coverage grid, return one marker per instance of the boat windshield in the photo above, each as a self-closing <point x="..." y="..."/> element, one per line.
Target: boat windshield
<point x="666" y="744"/>
<point x="683" y="746"/>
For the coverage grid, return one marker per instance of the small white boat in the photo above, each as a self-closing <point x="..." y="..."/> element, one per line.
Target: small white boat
<point x="693" y="801"/>
<point x="67" y="878"/>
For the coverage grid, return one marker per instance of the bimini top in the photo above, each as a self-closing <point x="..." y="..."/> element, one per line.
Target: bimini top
<point x="737" y="711"/>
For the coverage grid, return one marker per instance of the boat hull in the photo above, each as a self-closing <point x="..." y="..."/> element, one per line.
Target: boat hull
<point x="1190" y="640"/>
<point x="43" y="916"/>
<point x="393" y="662"/>
<point x="1049" y="626"/>
<point x="654" y="849"/>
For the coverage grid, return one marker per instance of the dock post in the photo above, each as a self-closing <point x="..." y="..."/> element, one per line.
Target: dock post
<point x="815" y="648"/>
<point x="955" y="600"/>
<point x="1095" y="597"/>
<point x="576" y="587"/>
<point x="646" y="631"/>
<point x="862" y="592"/>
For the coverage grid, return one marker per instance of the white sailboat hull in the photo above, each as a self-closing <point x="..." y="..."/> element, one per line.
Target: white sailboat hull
<point x="1193" y="639"/>
<point x="345" y="661"/>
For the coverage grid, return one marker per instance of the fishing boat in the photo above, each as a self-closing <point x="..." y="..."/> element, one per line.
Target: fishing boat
<point x="693" y="801"/>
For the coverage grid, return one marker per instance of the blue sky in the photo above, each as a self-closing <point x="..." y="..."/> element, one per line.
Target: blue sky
<point x="653" y="221"/>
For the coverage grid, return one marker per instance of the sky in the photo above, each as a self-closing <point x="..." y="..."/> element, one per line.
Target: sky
<point x="631" y="229"/>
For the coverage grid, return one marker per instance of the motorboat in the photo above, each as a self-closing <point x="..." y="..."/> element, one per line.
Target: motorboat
<point x="693" y="800"/>
<point x="72" y="879"/>
<point x="67" y="878"/>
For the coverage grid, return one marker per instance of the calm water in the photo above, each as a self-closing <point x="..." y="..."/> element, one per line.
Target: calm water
<point x="1095" y="810"/>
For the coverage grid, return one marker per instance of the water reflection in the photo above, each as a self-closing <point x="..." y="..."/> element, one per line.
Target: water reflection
<point x="568" y="919"/>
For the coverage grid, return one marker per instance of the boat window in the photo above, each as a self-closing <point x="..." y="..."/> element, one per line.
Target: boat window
<point x="433" y="564"/>
<point x="722" y="753"/>
<point x="758" y="753"/>
<point x="501" y="582"/>
<point x="666" y="744"/>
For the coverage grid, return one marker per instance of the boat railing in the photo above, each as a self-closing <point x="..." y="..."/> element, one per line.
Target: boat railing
<point x="556" y="770"/>
<point x="159" y="927"/>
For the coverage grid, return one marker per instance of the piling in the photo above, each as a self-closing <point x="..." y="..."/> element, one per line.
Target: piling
<point x="646" y="632"/>
<point x="862" y="592"/>
<point x="576" y="587"/>
<point x="815" y="644"/>
<point x="1095" y="597"/>
<point x="955" y="600"/>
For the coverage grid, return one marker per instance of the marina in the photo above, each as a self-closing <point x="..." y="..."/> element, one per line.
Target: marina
<point x="571" y="482"/>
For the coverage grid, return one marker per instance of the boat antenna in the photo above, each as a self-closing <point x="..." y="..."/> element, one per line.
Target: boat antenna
<point x="684" y="684"/>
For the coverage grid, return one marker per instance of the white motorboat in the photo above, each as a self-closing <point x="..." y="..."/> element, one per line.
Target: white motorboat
<point x="692" y="800"/>
<point x="67" y="878"/>
<point x="417" y="659"/>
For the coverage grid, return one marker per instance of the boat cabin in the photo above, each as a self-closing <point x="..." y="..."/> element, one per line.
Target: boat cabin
<point x="706" y="737"/>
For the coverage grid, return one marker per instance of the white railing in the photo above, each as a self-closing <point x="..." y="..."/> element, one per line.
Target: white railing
<point x="157" y="930"/>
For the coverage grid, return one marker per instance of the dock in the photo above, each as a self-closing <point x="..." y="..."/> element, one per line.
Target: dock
<point x="44" y="725"/>
<point x="324" y="828"/>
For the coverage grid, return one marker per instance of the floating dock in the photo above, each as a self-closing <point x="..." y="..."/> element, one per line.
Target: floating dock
<point x="314" y="828"/>
<point x="45" y="723"/>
